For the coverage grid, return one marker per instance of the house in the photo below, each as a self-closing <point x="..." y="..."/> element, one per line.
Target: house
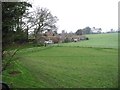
<point x="54" y="39"/>
<point x="59" y="38"/>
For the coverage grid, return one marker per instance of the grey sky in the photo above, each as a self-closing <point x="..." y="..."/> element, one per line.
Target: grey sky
<point x="77" y="14"/>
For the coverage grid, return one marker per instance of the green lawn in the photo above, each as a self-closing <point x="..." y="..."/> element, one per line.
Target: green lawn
<point x="63" y="67"/>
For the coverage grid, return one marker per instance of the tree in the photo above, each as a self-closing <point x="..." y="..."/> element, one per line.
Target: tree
<point x="87" y="30"/>
<point x="42" y="20"/>
<point x="118" y="29"/>
<point x="96" y="30"/>
<point x="79" y="32"/>
<point x="11" y="20"/>
<point x="12" y="13"/>
<point x="99" y="30"/>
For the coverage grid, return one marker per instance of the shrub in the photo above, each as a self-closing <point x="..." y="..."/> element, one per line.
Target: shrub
<point x="66" y="40"/>
<point x="87" y="38"/>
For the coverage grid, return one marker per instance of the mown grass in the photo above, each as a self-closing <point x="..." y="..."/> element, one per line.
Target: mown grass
<point x="65" y="67"/>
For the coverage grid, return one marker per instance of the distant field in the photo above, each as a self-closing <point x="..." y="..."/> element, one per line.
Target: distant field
<point x="97" y="40"/>
<point x="67" y="65"/>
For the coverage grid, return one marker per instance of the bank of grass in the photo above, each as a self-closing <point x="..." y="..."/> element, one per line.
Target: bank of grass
<point x="84" y="64"/>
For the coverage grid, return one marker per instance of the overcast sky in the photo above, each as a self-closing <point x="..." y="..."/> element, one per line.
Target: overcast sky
<point x="77" y="14"/>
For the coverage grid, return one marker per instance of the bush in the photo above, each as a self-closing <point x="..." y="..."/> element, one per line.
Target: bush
<point x="55" y="40"/>
<point x="87" y="38"/>
<point x="38" y="45"/>
<point x="66" y="40"/>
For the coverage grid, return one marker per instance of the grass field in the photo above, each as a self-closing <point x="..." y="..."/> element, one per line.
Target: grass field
<point x="97" y="40"/>
<point x="68" y="65"/>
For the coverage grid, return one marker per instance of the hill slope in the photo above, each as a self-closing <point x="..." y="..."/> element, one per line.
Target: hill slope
<point x="97" y="40"/>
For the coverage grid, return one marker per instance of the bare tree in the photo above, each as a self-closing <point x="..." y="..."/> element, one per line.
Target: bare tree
<point x="42" y="20"/>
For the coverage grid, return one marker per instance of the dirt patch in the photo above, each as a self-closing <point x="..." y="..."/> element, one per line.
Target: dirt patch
<point x="14" y="73"/>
